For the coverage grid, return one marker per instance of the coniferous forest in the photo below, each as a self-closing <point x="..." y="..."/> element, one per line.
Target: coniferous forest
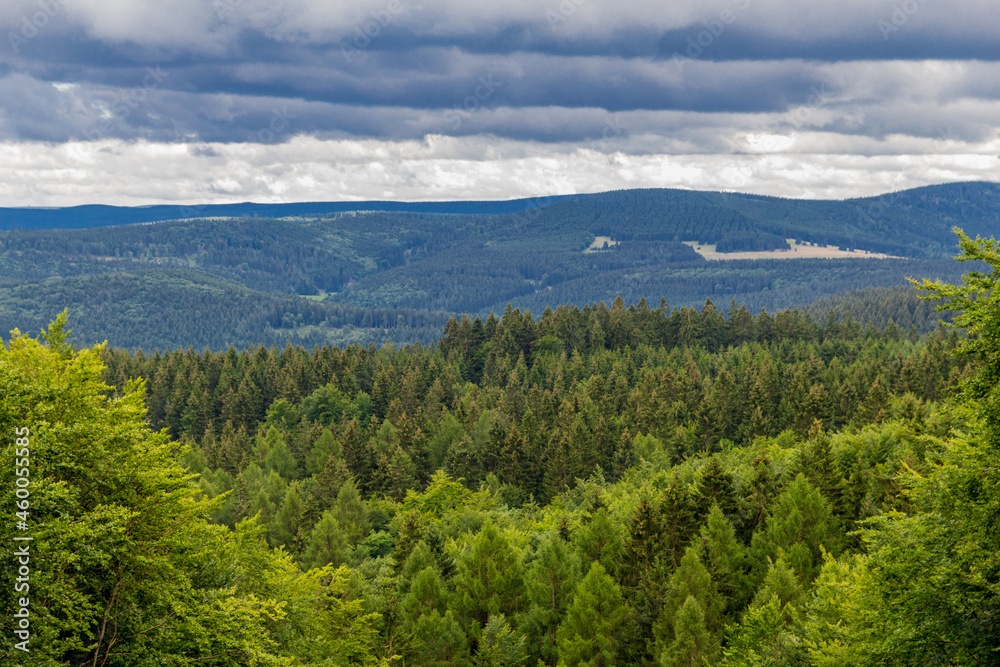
<point x="623" y="484"/>
<point x="317" y="274"/>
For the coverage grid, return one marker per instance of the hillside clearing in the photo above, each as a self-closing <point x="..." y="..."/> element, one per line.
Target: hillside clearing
<point x="796" y="250"/>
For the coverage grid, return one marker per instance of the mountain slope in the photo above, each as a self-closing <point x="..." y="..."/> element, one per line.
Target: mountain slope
<point x="397" y="264"/>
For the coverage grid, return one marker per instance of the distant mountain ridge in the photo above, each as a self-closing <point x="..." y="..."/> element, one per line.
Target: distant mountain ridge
<point x="99" y="215"/>
<point x="973" y="204"/>
<point x="342" y="272"/>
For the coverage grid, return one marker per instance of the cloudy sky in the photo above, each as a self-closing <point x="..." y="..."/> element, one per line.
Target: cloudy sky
<point x="208" y="101"/>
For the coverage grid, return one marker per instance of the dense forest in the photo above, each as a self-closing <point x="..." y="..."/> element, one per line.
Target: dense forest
<point x="613" y="485"/>
<point x="338" y="277"/>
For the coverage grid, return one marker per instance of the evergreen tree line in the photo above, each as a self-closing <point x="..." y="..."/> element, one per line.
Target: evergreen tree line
<point x="607" y="485"/>
<point x="603" y="485"/>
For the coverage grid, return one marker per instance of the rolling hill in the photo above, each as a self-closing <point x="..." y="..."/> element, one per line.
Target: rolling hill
<point x="375" y="271"/>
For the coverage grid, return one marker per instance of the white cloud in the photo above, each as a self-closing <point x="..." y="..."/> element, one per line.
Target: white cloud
<point x="309" y="169"/>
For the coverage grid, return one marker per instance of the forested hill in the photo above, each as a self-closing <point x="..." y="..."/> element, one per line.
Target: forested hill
<point x="914" y="223"/>
<point x="398" y="275"/>
<point x="597" y="486"/>
<point x="910" y="223"/>
<point x="96" y="215"/>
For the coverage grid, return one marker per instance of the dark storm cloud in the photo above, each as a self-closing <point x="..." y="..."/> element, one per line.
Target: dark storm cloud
<point x="384" y="68"/>
<point x="143" y="101"/>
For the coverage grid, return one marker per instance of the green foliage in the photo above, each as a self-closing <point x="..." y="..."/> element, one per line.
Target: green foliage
<point x="500" y="646"/>
<point x="550" y="584"/>
<point x="718" y="536"/>
<point x="391" y="276"/>
<point x="327" y="545"/>
<point x="801" y="526"/>
<point x="490" y="579"/>
<point x="692" y="644"/>
<point x="131" y="564"/>
<point x="438" y="641"/>
<point x="589" y="633"/>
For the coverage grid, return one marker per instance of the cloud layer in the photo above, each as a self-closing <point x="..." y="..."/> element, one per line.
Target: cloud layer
<point x="809" y="98"/>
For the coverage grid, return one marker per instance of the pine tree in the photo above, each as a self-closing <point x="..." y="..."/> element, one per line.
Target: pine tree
<point x="359" y="455"/>
<point x="438" y="641"/>
<point x="762" y="489"/>
<point x="444" y="562"/>
<point x="715" y="487"/>
<point x="419" y="559"/>
<point x="801" y="526"/>
<point x="425" y="594"/>
<point x="693" y="644"/>
<point x="285" y="529"/>
<point x="644" y="545"/>
<point x="725" y="558"/>
<point x="624" y="456"/>
<point x="327" y="545"/>
<point x="690" y="579"/>
<point x="679" y="520"/>
<point x="352" y="512"/>
<point x="563" y="464"/>
<point x="549" y="584"/>
<point x="782" y="584"/>
<point x="410" y="534"/>
<point x="600" y="539"/>
<point x="326" y="445"/>
<point x="817" y="464"/>
<point x="589" y="633"/>
<point x="490" y="579"/>
<point x="275" y="454"/>
<point x="328" y="483"/>
<point x="500" y="646"/>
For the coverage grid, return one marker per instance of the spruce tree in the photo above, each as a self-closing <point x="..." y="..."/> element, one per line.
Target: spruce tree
<point x="693" y="644"/>
<point x="437" y="641"/>
<point x="817" y="464"/>
<point x="410" y="534"/>
<point x="500" y="646"/>
<point x="725" y="558"/>
<point x="549" y="585"/>
<point x="425" y="594"/>
<point x="589" y="635"/>
<point x="678" y="513"/>
<point x="801" y="526"/>
<point x="644" y="545"/>
<point x="327" y="545"/>
<point x="419" y="559"/>
<point x="285" y="529"/>
<point x="600" y="539"/>
<point x="715" y="486"/>
<point x="782" y="584"/>
<point x="490" y="579"/>
<point x="352" y="512"/>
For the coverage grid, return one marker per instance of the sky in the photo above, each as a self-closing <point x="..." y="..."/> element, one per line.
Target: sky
<point x="135" y="102"/>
